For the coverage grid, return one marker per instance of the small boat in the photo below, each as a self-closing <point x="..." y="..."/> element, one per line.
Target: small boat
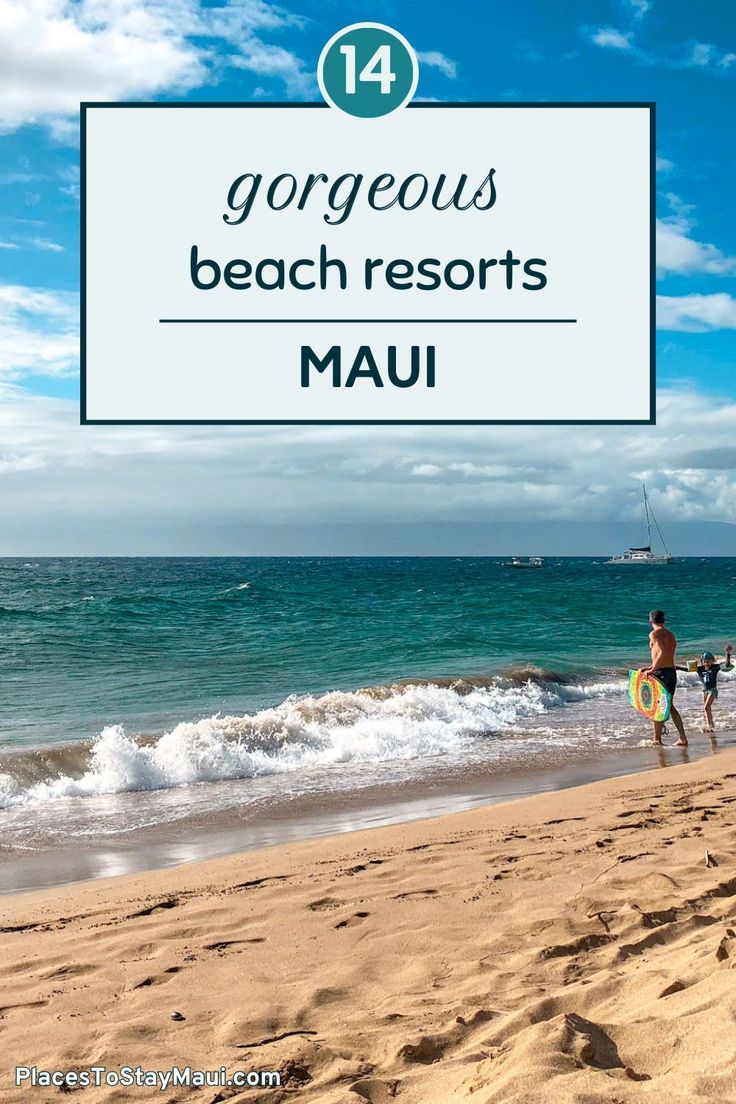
<point x="520" y="562"/>
<point x="644" y="554"/>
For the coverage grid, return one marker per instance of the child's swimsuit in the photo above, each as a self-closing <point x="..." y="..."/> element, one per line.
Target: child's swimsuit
<point x="709" y="678"/>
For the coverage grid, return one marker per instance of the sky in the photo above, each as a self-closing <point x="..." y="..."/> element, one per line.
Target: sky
<point x="71" y="490"/>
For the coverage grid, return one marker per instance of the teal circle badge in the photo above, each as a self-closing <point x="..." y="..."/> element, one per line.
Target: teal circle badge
<point x="367" y="70"/>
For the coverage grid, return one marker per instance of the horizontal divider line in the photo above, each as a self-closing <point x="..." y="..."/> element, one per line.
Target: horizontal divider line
<point x="365" y="321"/>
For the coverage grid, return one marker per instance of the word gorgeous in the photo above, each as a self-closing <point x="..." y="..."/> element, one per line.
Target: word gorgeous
<point x="338" y="197"/>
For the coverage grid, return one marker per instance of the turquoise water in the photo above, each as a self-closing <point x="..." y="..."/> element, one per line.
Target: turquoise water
<point x="150" y="642"/>
<point x="143" y="675"/>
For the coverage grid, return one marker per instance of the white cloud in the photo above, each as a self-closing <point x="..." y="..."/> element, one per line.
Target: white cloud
<point x="610" y="38"/>
<point x="34" y="242"/>
<point x="46" y="245"/>
<point x="9" y="463"/>
<point x="688" y="55"/>
<point x="677" y="252"/>
<point x="121" y="487"/>
<point x="274" y="61"/>
<point x="38" y="332"/>
<point x="54" y="53"/>
<point x="664" y="165"/>
<point x="18" y="176"/>
<point x="696" y="313"/>
<point x="638" y="8"/>
<point x="704" y="55"/>
<point x="435" y="60"/>
<point x="69" y="177"/>
<point x="701" y="53"/>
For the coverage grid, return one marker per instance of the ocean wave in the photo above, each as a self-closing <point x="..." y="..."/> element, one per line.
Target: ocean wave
<point x="377" y="724"/>
<point x="142" y="606"/>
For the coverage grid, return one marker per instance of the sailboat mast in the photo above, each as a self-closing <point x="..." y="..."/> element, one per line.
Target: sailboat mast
<point x="646" y="511"/>
<point x="650" y="516"/>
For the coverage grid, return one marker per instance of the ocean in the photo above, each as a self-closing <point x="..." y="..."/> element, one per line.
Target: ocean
<point x="164" y="695"/>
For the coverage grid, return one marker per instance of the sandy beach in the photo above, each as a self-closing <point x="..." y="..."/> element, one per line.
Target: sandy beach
<point x="572" y="946"/>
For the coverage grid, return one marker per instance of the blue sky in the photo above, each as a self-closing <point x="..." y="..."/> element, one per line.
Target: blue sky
<point x="55" y="52"/>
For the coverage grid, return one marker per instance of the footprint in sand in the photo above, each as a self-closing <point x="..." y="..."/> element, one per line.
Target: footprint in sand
<point x="352" y="870"/>
<point x="590" y="1045"/>
<point x="577" y="946"/>
<point x="324" y="904"/>
<point x="72" y="970"/>
<point x="677" y="986"/>
<point x="328" y="995"/>
<point x="352" y="921"/>
<point x="429" y="1049"/>
<point x="223" y="944"/>
<point x="158" y="979"/>
<point x="727" y="947"/>
<point x="375" y="1091"/>
<point x="20" y="1007"/>
<point x="416" y="893"/>
<point x="170" y="903"/>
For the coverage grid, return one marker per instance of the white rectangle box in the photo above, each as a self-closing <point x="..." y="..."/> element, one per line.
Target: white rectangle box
<point x="574" y="187"/>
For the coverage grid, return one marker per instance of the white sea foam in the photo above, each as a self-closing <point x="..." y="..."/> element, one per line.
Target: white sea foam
<point x="403" y="722"/>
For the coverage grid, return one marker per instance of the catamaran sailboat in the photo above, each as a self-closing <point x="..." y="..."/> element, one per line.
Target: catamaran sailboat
<point x="644" y="554"/>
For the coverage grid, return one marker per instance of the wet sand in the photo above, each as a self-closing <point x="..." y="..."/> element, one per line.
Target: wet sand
<point x="574" y="946"/>
<point x="54" y="861"/>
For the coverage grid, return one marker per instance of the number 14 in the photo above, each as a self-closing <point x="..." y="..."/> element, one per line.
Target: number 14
<point x="377" y="69"/>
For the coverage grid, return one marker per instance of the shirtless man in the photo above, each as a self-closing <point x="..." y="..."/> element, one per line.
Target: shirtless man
<point x="662" y="645"/>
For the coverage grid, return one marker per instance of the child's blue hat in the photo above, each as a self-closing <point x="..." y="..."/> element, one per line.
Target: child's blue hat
<point x="706" y="656"/>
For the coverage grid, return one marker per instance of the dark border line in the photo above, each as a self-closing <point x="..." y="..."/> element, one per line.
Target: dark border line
<point x="365" y="321"/>
<point x="205" y="104"/>
<point x="653" y="264"/>
<point x="365" y="422"/>
<point x="83" y="266"/>
<point x="649" y="105"/>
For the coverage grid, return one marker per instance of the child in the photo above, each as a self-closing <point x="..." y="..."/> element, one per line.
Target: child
<point x="708" y="674"/>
